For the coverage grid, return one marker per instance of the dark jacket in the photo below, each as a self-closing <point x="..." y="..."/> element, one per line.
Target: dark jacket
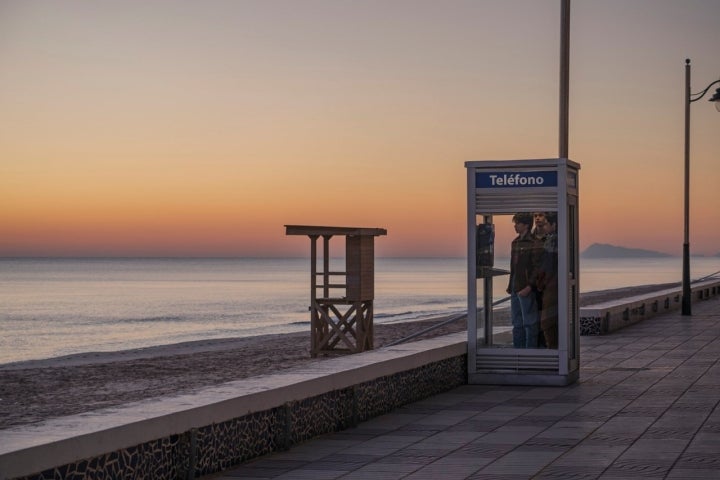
<point x="547" y="274"/>
<point x="525" y="257"/>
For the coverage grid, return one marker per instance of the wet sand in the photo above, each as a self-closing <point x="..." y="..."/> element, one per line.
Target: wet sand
<point x="38" y="390"/>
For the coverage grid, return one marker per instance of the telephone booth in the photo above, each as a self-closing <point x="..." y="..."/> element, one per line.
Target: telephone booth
<point x="523" y="311"/>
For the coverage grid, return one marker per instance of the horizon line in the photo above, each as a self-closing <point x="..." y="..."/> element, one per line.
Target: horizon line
<point x="286" y="257"/>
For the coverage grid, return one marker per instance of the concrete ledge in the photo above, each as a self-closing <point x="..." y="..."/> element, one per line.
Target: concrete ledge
<point x="609" y="316"/>
<point x="165" y="437"/>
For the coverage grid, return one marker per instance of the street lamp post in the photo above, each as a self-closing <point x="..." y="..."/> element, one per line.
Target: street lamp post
<point x="689" y="98"/>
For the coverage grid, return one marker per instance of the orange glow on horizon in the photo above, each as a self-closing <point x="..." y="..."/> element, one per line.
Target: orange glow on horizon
<point x="195" y="131"/>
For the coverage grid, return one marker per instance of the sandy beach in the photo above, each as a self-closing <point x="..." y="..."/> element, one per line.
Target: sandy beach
<point x="38" y="390"/>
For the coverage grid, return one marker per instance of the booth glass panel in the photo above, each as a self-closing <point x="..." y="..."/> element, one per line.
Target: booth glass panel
<point x="495" y="304"/>
<point x="572" y="274"/>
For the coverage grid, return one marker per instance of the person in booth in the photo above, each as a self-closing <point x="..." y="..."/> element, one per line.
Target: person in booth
<point x="525" y="256"/>
<point x="539" y="233"/>
<point x="540" y="219"/>
<point x="548" y="282"/>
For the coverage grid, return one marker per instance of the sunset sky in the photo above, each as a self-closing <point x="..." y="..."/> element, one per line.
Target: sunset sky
<point x="200" y="128"/>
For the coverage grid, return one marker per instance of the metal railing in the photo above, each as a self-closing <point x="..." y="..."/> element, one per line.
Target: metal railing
<point x="453" y="318"/>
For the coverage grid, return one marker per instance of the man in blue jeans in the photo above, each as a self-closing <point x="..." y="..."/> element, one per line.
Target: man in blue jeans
<point x="526" y="254"/>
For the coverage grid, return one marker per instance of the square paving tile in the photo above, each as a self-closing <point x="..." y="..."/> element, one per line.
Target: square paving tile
<point x="656" y="448"/>
<point x="376" y="472"/>
<point x="562" y="472"/>
<point x="312" y="475"/>
<point x="489" y="449"/>
<point x="700" y="460"/>
<point x="633" y="468"/>
<point x="410" y="457"/>
<point x="520" y="463"/>
<point x="691" y="474"/>
<point x="588" y="455"/>
<point x="436" y="471"/>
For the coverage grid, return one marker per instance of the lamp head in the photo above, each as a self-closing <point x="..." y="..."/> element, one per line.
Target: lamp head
<point x="716" y="98"/>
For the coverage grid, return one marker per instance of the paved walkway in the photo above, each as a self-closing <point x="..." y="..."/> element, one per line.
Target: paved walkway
<point x="646" y="406"/>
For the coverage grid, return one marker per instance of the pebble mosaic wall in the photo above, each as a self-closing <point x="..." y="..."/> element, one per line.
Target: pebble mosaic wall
<point x="156" y="459"/>
<point x="590" y="325"/>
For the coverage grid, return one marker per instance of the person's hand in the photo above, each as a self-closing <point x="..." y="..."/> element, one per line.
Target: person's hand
<point x="525" y="291"/>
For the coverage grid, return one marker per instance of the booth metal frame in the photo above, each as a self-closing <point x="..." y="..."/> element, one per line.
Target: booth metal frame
<point x="492" y="364"/>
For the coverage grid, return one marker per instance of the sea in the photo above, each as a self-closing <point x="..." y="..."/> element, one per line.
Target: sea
<point x="63" y="306"/>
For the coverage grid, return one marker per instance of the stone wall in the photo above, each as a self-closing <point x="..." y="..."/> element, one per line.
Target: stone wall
<point x="607" y="317"/>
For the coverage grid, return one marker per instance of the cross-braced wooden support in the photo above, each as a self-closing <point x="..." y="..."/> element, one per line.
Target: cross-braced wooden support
<point x="341" y="322"/>
<point x="333" y="330"/>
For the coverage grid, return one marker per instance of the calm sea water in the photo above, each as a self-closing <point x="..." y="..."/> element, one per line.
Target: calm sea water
<point x="57" y="307"/>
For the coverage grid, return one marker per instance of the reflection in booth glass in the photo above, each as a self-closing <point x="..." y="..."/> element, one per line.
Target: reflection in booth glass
<point x="547" y="278"/>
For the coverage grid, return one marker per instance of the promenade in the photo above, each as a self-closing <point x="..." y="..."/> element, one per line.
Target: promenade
<point x="646" y="406"/>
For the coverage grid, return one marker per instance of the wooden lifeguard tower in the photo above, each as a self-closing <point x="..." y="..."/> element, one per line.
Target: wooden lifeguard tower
<point x="344" y="321"/>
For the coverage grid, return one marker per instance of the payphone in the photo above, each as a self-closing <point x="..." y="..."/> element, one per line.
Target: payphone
<point x="523" y="272"/>
<point x="485" y="245"/>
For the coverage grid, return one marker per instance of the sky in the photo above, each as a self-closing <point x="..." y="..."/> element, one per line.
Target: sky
<point x="185" y="128"/>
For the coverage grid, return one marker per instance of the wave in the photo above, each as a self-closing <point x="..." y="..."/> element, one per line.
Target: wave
<point x="391" y="315"/>
<point x="417" y="315"/>
<point x="161" y="318"/>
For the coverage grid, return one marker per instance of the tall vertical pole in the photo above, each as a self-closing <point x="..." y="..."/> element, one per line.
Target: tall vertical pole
<point x="564" y="79"/>
<point x="686" y="293"/>
<point x="314" y="314"/>
<point x="326" y="266"/>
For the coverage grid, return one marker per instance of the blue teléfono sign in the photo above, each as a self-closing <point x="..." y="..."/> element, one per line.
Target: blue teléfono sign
<point x="515" y="179"/>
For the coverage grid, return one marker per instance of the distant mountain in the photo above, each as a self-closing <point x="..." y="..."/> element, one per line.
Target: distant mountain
<point x="602" y="250"/>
